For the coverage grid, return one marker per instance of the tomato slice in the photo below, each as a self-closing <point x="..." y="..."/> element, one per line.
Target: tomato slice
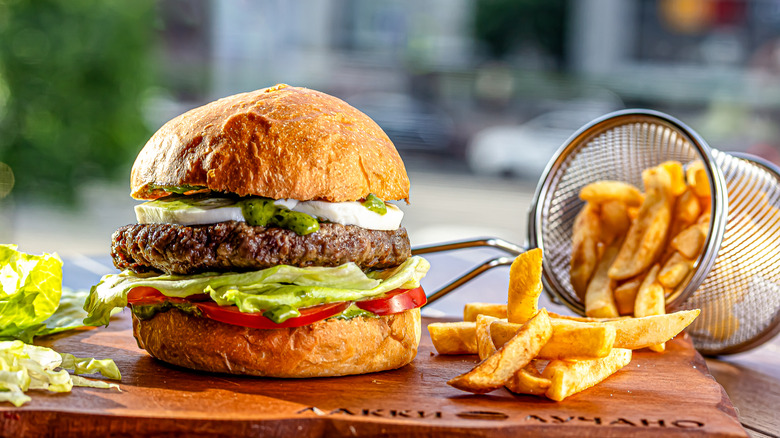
<point x="150" y="295"/>
<point x="231" y="315"/>
<point x="395" y="301"/>
<point x="145" y="295"/>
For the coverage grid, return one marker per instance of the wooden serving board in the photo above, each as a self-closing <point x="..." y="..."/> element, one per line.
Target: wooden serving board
<point x="671" y="393"/>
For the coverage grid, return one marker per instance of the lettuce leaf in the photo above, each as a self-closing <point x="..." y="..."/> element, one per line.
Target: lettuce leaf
<point x="81" y="381"/>
<point x="259" y="290"/>
<point x="13" y="394"/>
<point x="88" y="365"/>
<point x="24" y="367"/>
<point x="32" y="299"/>
<point x="69" y="315"/>
<point x="30" y="291"/>
<point x="253" y="299"/>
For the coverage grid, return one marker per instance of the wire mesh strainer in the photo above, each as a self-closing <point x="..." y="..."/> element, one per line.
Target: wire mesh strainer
<point x="740" y="298"/>
<point x="735" y="281"/>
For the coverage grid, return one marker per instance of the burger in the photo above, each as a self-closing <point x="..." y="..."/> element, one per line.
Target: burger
<point x="267" y="245"/>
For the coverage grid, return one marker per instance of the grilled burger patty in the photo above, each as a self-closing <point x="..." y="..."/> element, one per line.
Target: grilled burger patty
<point x="236" y="246"/>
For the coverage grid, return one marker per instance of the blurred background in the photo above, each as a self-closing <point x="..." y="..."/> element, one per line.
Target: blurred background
<point x="476" y="94"/>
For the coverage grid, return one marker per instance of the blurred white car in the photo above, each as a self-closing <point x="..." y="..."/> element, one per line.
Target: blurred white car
<point x="524" y="150"/>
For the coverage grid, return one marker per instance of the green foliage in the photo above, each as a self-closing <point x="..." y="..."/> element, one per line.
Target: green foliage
<point x="72" y="77"/>
<point x="501" y="25"/>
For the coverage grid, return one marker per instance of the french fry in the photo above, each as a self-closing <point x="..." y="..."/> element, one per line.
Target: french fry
<point x="528" y="380"/>
<point x="569" y="377"/>
<point x="555" y="316"/>
<point x="696" y="177"/>
<point x="614" y="221"/>
<point x="599" y="299"/>
<point x="454" y="337"/>
<point x="570" y="339"/>
<point x="650" y="298"/>
<point x="525" y="286"/>
<point x="706" y="205"/>
<point x="687" y="209"/>
<point x="677" y="174"/>
<point x="602" y="191"/>
<point x="690" y="241"/>
<point x="625" y="295"/>
<point x="471" y="310"/>
<point x="584" y="251"/>
<point x="674" y="270"/>
<point x="699" y="184"/>
<point x="635" y="333"/>
<point x="647" y="234"/>
<point x="631" y="333"/>
<point x="574" y="340"/>
<point x="518" y="352"/>
<point x="485" y="345"/>
<point x="499" y="311"/>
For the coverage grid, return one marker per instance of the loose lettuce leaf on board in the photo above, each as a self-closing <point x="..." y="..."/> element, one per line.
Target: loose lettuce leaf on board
<point x="24" y="367"/>
<point x="88" y="365"/>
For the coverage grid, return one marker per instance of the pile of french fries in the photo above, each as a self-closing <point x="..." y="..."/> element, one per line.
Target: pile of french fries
<point x="631" y="250"/>
<point x="532" y="351"/>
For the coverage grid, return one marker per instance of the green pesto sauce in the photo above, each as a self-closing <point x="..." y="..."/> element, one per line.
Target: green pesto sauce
<point x="281" y="313"/>
<point x="147" y="311"/>
<point x="375" y="204"/>
<point x="263" y="212"/>
<point x="176" y="189"/>
<point x="256" y="211"/>
<point x="354" y="311"/>
<point x="176" y="202"/>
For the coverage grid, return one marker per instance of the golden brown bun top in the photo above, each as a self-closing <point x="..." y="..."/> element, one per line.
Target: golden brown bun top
<point x="279" y="142"/>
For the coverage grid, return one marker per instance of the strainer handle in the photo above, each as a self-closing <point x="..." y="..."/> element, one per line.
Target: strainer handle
<point x="493" y="242"/>
<point x="498" y="261"/>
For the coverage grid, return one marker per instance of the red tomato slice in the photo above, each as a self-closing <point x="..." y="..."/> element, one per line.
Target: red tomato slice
<point x="231" y="315"/>
<point x="395" y="301"/>
<point x="150" y="295"/>
<point x="145" y="295"/>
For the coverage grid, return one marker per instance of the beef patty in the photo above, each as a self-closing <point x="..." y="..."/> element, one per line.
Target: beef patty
<point x="236" y="246"/>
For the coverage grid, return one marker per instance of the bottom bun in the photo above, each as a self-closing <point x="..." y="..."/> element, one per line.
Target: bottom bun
<point x="331" y="347"/>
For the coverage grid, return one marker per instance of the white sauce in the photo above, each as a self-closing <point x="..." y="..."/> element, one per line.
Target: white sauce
<point x="210" y="211"/>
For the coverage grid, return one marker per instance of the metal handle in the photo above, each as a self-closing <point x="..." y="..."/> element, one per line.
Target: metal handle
<point x="492" y="242"/>
<point x="498" y="261"/>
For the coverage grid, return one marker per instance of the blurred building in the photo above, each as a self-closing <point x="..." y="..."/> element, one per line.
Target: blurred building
<point x="703" y="60"/>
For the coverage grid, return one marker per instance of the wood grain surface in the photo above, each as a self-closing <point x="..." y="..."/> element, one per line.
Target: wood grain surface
<point x="656" y="394"/>
<point x="752" y="381"/>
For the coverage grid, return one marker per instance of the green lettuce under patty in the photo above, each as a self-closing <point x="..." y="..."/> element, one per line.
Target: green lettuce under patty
<point x="262" y="290"/>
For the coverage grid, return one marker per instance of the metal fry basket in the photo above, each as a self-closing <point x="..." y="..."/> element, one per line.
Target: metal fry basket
<point x="735" y="280"/>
